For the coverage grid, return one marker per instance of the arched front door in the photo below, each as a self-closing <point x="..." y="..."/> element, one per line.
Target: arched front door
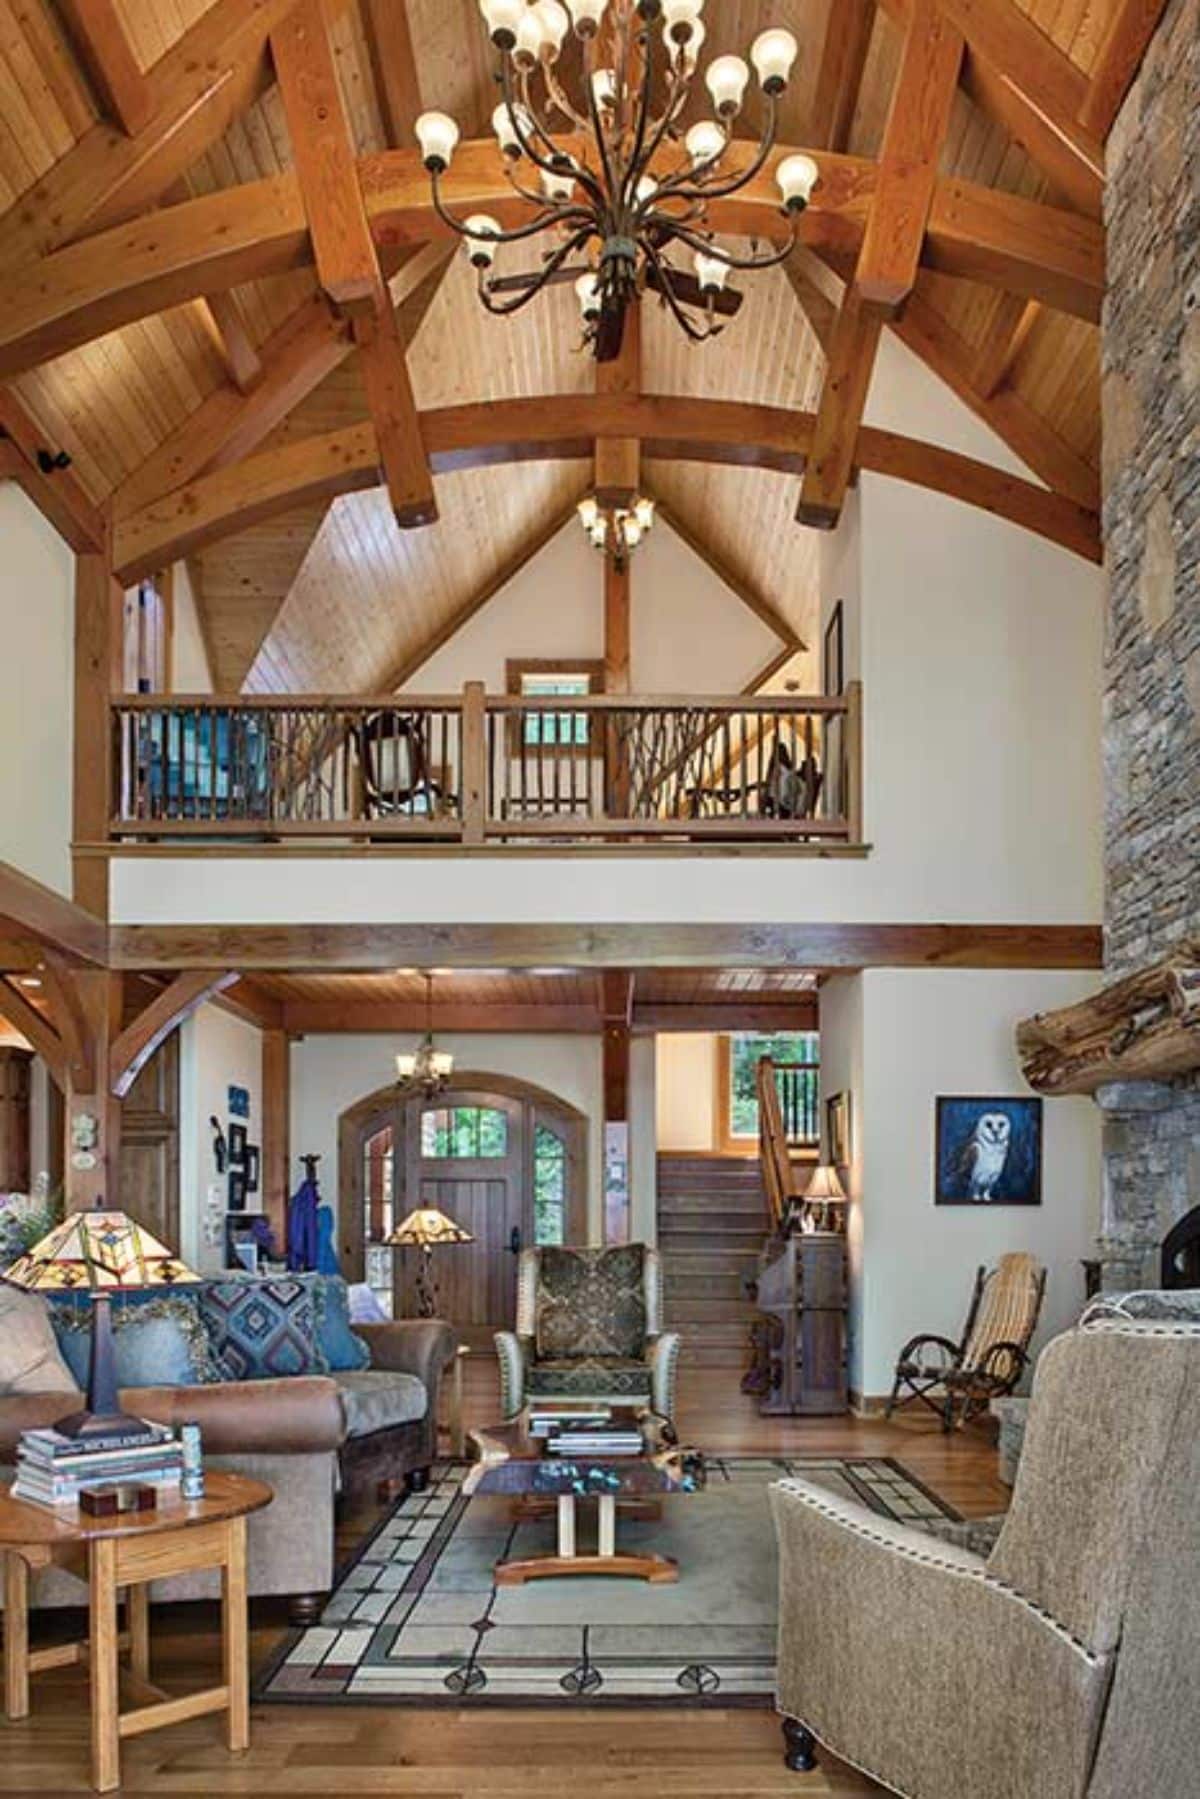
<point x="504" y="1159"/>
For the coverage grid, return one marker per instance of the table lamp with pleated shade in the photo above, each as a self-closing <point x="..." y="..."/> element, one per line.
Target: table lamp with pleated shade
<point x="99" y="1252"/>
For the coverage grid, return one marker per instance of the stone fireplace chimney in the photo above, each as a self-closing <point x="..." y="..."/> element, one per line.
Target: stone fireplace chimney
<point x="1152" y="698"/>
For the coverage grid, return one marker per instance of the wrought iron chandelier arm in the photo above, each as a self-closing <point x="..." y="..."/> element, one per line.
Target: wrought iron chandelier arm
<point x="636" y="159"/>
<point x="666" y="289"/>
<point x="594" y="113"/>
<point x="504" y="308"/>
<point x="734" y="183"/>
<point x="551" y="163"/>
<point x="549" y="216"/>
<point x="770" y="261"/>
<point x="675" y="93"/>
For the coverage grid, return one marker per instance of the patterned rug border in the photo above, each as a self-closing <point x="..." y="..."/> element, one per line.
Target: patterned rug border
<point x="263" y="1677"/>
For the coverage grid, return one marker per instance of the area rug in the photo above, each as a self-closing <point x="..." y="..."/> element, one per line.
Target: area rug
<point x="417" y="1618"/>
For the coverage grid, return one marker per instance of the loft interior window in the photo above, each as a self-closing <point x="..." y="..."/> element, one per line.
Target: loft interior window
<point x="798" y="1054"/>
<point x="566" y="731"/>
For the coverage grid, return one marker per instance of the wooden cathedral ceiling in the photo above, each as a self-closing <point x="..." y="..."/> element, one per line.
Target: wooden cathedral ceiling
<point x="335" y="596"/>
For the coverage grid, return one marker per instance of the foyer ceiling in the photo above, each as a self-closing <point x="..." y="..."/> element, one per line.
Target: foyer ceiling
<point x="334" y="597"/>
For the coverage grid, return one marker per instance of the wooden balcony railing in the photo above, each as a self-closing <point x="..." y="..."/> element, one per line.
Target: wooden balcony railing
<point x="479" y="769"/>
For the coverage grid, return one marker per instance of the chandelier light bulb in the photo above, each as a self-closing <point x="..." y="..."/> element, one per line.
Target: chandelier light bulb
<point x="504" y="124"/>
<point x="705" y="142"/>
<point x="680" y="18"/>
<point x="631" y="531"/>
<point x="479" y="247"/>
<point x="643" y="512"/>
<point x="589" y="513"/>
<point x="438" y="137"/>
<point x="503" y="19"/>
<point x="558" y="186"/>
<point x="530" y="38"/>
<point x="646" y="189"/>
<point x="555" y="26"/>
<point x="773" y="54"/>
<point x="600" y="533"/>
<point x="727" y="79"/>
<point x="797" y="176"/>
<point x="587" y="291"/>
<point x="686" y="56"/>
<point x="604" y="88"/>
<point x="711" y="273"/>
<point x="586" y="15"/>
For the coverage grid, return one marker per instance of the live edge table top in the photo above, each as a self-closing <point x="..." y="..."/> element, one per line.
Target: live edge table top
<point x="510" y="1460"/>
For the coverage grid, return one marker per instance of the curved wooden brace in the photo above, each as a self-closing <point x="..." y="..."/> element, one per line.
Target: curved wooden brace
<point x="238" y="234"/>
<point x="153" y="1025"/>
<point x="561" y="427"/>
<point x="70" y="1018"/>
<point x="41" y="1036"/>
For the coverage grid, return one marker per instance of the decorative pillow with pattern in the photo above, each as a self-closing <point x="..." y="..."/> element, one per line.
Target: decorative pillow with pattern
<point x="592" y="1302"/>
<point x="161" y="1343"/>
<point x="263" y="1329"/>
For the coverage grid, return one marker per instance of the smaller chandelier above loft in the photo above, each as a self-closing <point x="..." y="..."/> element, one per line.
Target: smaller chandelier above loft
<point x="616" y="531"/>
<point x="613" y="169"/>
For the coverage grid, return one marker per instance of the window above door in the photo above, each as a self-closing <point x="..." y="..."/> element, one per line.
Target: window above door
<point x="464" y="1133"/>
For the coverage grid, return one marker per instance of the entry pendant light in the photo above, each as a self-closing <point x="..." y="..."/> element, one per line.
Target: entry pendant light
<point x="605" y="157"/>
<point x="426" y="1069"/>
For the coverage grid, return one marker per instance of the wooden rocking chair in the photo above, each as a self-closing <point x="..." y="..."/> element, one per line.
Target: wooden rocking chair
<point x="957" y="1381"/>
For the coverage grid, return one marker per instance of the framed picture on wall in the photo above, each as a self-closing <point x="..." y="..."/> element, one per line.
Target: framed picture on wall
<point x="837" y="1130"/>
<point x="239" y="1102"/>
<point x="833" y="655"/>
<point x="237" y="1190"/>
<point x="988" y="1152"/>
<point x="237" y="1146"/>
<point x="252" y="1166"/>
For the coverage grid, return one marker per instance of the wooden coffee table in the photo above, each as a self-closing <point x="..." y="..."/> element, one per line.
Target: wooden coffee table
<point x="509" y="1460"/>
<point x="128" y="1552"/>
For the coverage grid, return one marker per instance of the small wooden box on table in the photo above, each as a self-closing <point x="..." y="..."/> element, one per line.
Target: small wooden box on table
<point x="125" y="1553"/>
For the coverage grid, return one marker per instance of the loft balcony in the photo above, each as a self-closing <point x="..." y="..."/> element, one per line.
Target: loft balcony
<point x="478" y="771"/>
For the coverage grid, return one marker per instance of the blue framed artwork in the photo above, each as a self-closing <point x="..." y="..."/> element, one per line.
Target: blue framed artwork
<point x="239" y="1102"/>
<point x="988" y="1152"/>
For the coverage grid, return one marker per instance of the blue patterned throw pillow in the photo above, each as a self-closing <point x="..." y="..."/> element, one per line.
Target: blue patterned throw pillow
<point x="159" y="1342"/>
<point x="263" y="1329"/>
<point x="342" y="1347"/>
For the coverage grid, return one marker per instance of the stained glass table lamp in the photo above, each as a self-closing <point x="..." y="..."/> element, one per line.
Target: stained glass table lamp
<point x="99" y="1252"/>
<point x="424" y="1229"/>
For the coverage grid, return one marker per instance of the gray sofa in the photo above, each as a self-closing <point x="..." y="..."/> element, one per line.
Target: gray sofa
<point x="313" y="1439"/>
<point x="1060" y="1663"/>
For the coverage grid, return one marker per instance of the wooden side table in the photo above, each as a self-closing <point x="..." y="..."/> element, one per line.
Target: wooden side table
<point x="126" y="1553"/>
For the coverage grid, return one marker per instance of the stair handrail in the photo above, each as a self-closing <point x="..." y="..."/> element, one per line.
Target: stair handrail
<point x="778" y="1175"/>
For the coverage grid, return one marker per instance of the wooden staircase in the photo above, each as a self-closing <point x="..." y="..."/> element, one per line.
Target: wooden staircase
<point x="712" y="1220"/>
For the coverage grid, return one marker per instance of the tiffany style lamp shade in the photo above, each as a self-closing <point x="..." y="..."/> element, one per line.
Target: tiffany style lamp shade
<point x="100" y="1252"/>
<point x="424" y="1229"/>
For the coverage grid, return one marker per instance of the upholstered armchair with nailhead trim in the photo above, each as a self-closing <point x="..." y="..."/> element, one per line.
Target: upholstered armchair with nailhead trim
<point x="589" y="1331"/>
<point x="1053" y="1658"/>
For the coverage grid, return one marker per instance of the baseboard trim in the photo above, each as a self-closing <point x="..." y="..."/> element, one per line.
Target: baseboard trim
<point x="868" y="1405"/>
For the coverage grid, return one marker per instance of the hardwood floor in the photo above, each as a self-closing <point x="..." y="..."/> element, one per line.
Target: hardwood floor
<point x="493" y="1754"/>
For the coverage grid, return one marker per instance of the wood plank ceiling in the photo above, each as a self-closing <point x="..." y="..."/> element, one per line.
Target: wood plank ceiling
<point x="336" y="597"/>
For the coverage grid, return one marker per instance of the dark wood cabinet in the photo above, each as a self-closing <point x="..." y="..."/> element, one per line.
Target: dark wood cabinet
<point x="799" y="1339"/>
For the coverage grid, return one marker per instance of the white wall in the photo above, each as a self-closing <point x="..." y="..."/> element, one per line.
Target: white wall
<point x="687" y="1088"/>
<point x="217" y="1051"/>
<point x="190" y="672"/>
<point x="37" y="586"/>
<point x="690" y="634"/>
<point x="330" y="1073"/>
<point x="898" y="1039"/>
<point x="643" y="1142"/>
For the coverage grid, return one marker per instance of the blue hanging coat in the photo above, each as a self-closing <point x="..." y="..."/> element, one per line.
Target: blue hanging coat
<point x="302" y="1235"/>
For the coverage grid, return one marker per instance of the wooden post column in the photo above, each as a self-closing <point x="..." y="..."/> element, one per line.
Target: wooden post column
<point x="276" y="1130"/>
<point x="93" y="998"/>
<point x="616" y="1002"/>
<point x="99" y="629"/>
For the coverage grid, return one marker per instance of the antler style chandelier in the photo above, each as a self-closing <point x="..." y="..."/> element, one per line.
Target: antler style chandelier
<point x="625" y="183"/>
<point x="616" y="531"/>
<point x="425" y="1070"/>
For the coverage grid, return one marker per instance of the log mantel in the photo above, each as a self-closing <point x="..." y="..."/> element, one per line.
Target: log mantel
<point x="1144" y="1028"/>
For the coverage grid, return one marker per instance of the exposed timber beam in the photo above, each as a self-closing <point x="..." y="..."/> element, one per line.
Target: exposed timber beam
<point x="1144" y="1028"/>
<point x="70" y="1021"/>
<point x="36" y="1029"/>
<point x="619" y="459"/>
<point x="397" y="81"/>
<point x="1069" y="157"/>
<point x="1130" y="29"/>
<point x="327" y="948"/>
<point x="236" y="234"/>
<point x="140" y="1039"/>
<point x="347" y="262"/>
<point x="304" y="1018"/>
<point x="98" y="676"/>
<point x="843" y="61"/>
<point x="39" y="913"/>
<point x="209" y="78"/>
<point x="222" y="318"/>
<point x="763" y="609"/>
<point x="561" y="427"/>
<point x="296" y="358"/>
<point x="1008" y="331"/>
<point x="99" y="34"/>
<point x="890" y="253"/>
<point x="820" y="311"/>
<point x="27" y="459"/>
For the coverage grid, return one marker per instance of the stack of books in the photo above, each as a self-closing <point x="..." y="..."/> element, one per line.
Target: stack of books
<point x="53" y="1470"/>
<point x="544" y="1421"/>
<point x="596" y="1441"/>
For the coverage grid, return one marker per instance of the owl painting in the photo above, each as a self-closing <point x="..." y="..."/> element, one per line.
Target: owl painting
<point x="989" y="1152"/>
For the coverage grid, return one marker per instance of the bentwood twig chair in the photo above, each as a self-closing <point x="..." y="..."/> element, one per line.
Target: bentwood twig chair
<point x="960" y="1380"/>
